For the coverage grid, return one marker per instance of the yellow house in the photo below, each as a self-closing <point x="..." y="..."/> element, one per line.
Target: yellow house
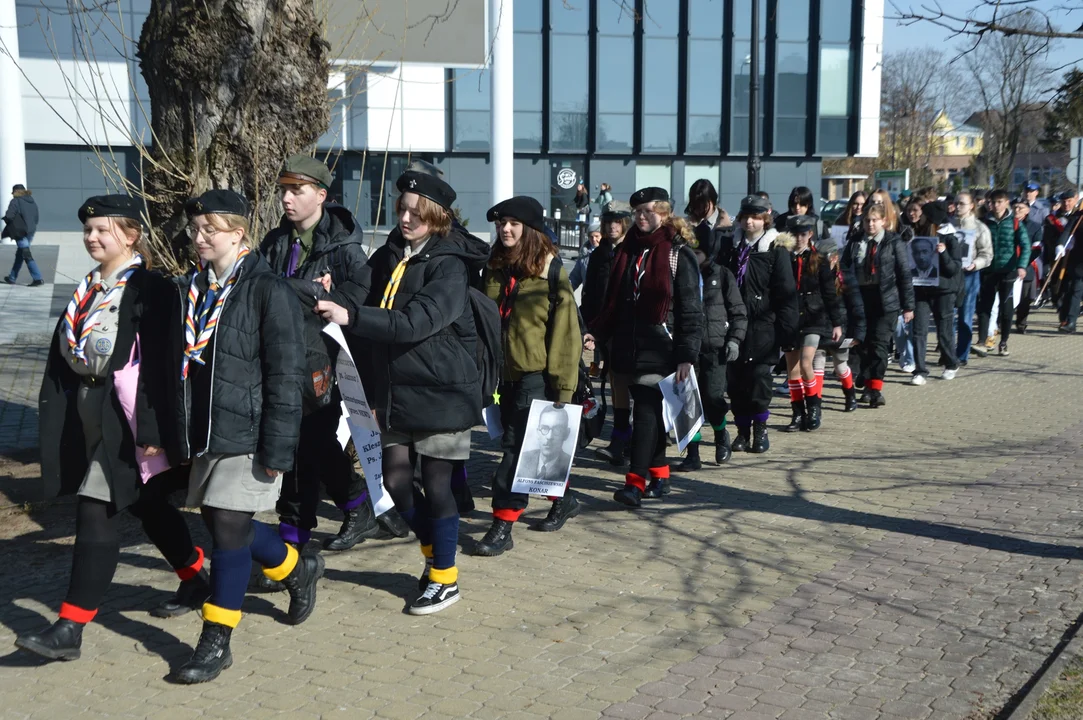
<point x="955" y="138"/>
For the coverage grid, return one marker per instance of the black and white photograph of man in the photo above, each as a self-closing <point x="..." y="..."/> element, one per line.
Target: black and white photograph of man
<point x="549" y="442"/>
<point x="923" y="261"/>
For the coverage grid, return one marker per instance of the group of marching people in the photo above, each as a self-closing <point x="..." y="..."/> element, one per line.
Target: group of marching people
<point x="207" y="380"/>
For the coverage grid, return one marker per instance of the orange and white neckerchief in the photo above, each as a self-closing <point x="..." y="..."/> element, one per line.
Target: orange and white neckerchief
<point x="198" y="330"/>
<point x="79" y="320"/>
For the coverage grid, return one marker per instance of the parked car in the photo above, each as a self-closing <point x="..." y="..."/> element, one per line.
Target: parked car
<point x="831" y="209"/>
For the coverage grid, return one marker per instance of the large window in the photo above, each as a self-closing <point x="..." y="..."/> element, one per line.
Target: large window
<point x="569" y="77"/>
<point x="471" y="91"/>
<point x="791" y="76"/>
<point x="528" y="77"/>
<point x="836" y="70"/>
<point x="660" y="50"/>
<point x="740" y="70"/>
<point x="616" y="77"/>
<point x="705" y="63"/>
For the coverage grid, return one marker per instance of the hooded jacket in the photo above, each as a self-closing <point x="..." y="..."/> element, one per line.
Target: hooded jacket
<point x="337" y="247"/>
<point x="723" y="306"/>
<point x="21" y="217"/>
<point x="983" y="244"/>
<point x="419" y="373"/>
<point x="892" y="268"/>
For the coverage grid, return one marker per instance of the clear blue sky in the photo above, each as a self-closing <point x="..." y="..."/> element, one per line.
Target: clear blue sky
<point x="923" y="34"/>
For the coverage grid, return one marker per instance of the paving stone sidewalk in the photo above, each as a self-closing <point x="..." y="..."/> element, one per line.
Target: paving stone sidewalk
<point x="916" y="561"/>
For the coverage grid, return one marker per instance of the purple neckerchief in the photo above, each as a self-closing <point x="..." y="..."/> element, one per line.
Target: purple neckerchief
<point x="295" y="257"/>
<point x="742" y="262"/>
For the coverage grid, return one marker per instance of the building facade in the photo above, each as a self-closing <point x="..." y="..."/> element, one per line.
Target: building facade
<point x="632" y="93"/>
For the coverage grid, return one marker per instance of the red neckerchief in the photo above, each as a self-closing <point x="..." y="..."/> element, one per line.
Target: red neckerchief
<point x="506" y="301"/>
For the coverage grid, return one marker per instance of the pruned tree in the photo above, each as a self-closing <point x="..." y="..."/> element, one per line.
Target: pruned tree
<point x="1064" y="118"/>
<point x="235" y="86"/>
<point x="1011" y="75"/>
<point x="981" y="19"/>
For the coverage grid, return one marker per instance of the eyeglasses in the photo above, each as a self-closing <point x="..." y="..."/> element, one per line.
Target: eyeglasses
<point x="545" y="430"/>
<point x="193" y="232"/>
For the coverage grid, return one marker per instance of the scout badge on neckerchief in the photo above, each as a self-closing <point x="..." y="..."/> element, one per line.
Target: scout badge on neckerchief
<point x="199" y="324"/>
<point x="79" y="319"/>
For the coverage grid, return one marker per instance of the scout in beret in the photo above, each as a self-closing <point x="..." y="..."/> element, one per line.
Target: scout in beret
<point x="427" y="186"/>
<point x="754" y="205"/>
<point x="525" y="209"/>
<point x="91" y="446"/>
<point x="801" y="224"/>
<point x="648" y="194"/>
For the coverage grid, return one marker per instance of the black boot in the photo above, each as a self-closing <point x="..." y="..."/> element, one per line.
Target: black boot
<point x="391" y="525"/>
<point x="722" y="450"/>
<point x="62" y="641"/>
<point x="743" y="441"/>
<point x="496" y="540"/>
<point x="210" y="658"/>
<point x="657" y="489"/>
<point x="866" y="396"/>
<point x="301" y="584"/>
<point x="617" y="452"/>
<point x="190" y="596"/>
<point x="563" y="509"/>
<point x="851" y="399"/>
<point x="691" y="461"/>
<point x="629" y="495"/>
<point x="760" y="442"/>
<point x="359" y="523"/>
<point x="877" y="400"/>
<point x="263" y="584"/>
<point x="813" y="409"/>
<point x="799" y="421"/>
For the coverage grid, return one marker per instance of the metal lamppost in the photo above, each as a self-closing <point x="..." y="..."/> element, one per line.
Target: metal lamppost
<point x="754" y="103"/>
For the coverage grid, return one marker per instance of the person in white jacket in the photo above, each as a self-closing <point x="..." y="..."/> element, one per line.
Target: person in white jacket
<point x="976" y="258"/>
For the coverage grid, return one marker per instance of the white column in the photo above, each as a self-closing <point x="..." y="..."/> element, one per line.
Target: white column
<point x="502" y="86"/>
<point x="12" y="145"/>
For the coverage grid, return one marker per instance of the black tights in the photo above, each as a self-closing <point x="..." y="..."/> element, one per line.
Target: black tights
<point x="648" y="447"/>
<point x="229" y="529"/>
<point x="435" y="482"/>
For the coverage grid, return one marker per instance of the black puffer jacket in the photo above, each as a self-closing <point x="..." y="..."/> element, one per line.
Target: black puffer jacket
<point x="337" y="247"/>
<point x="596" y="283"/>
<point x="420" y="373"/>
<point x="723" y="306"/>
<point x="892" y="271"/>
<point x="143" y="309"/>
<point x="818" y="306"/>
<point x="769" y="294"/>
<point x="642" y="349"/>
<point x="257" y="364"/>
<point x="853" y="303"/>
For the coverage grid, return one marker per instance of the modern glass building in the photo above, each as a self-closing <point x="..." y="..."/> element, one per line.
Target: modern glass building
<point x="626" y="92"/>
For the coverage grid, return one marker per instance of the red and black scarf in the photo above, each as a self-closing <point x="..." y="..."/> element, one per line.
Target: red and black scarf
<point x="652" y="277"/>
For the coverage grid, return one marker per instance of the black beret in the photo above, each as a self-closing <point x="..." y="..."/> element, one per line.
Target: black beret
<point x="218" y="202"/>
<point x="801" y="223"/>
<point x="615" y="210"/>
<point x="525" y="209"/>
<point x="305" y="169"/>
<point x="428" y="186"/>
<point x="827" y="246"/>
<point x="935" y="212"/>
<point x="649" y="194"/>
<point x="755" y="205"/>
<point x="124" y="206"/>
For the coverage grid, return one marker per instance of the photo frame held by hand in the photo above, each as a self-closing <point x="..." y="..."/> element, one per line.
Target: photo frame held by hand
<point x="682" y="407"/>
<point x="549" y="444"/>
<point x="924" y="261"/>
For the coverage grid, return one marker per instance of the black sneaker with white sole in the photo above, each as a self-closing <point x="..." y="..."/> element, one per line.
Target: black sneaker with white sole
<point x="436" y="597"/>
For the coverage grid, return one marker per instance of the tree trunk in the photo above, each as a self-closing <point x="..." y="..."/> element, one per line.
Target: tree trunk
<point x="235" y="87"/>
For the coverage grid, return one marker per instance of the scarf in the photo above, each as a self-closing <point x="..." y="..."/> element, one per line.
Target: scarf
<point x="649" y="257"/>
<point x="79" y="320"/>
<point x="199" y="323"/>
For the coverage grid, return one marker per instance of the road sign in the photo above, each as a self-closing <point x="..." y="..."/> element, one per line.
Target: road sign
<point x="1075" y="147"/>
<point x="1074" y="172"/>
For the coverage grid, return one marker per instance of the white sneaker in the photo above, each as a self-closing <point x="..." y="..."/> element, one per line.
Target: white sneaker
<point x="948" y="374"/>
<point x="909" y="368"/>
<point x="917" y="380"/>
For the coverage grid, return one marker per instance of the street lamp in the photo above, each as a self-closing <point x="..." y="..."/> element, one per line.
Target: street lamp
<point x="754" y="102"/>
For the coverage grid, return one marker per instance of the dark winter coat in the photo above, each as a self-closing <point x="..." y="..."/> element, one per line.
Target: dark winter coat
<point x="769" y="294"/>
<point x="893" y="274"/>
<point x="641" y="349"/>
<point x="420" y="373"/>
<point x="596" y="283"/>
<point x="853" y="304"/>
<point x="1034" y="234"/>
<point x="21" y="217"/>
<point x="723" y="306"/>
<point x="818" y="306"/>
<point x="143" y="310"/>
<point x="1073" y="260"/>
<point x="257" y="364"/>
<point x="337" y="247"/>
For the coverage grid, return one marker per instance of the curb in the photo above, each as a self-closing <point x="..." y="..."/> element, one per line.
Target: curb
<point x="1069" y="648"/>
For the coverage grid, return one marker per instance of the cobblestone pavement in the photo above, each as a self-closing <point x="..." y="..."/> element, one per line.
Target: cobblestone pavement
<point x="915" y="561"/>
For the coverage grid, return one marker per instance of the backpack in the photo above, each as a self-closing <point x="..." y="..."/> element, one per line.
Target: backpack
<point x="594" y="410"/>
<point x="321" y="352"/>
<point x="489" y="350"/>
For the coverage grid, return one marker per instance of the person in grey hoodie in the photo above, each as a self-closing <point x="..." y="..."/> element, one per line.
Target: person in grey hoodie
<point x="20" y="224"/>
<point x="978" y="258"/>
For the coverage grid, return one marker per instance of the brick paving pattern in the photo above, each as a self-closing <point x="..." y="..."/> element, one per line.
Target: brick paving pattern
<point x="917" y="561"/>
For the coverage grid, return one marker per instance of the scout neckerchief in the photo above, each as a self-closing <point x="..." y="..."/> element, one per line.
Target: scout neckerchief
<point x="638" y="274"/>
<point x="511" y="289"/>
<point x="80" y="319"/>
<point x="392" y="288"/>
<point x="199" y="323"/>
<point x="743" y="256"/>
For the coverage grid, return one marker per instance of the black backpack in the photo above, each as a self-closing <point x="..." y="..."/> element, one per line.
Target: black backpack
<point x="321" y="352"/>
<point x="594" y="406"/>
<point x="489" y="350"/>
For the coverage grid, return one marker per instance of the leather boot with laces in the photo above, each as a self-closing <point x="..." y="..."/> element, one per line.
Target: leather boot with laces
<point x="743" y="441"/>
<point x="562" y="510"/>
<point x="691" y="461"/>
<point x="391" y="525"/>
<point x="813" y="413"/>
<point x="798" y="421"/>
<point x="760" y="442"/>
<point x="851" y="399"/>
<point x="629" y="495"/>
<point x="359" y="524"/>
<point x="210" y="658"/>
<point x="497" y="540"/>
<point x="301" y="584"/>
<point x="62" y="641"/>
<point x="190" y="596"/>
<point x="722" y="450"/>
